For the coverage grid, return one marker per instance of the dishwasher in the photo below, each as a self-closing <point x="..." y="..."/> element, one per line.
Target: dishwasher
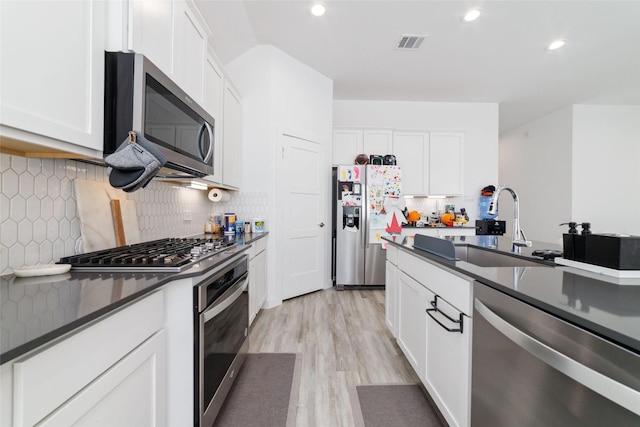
<point x="530" y="368"/>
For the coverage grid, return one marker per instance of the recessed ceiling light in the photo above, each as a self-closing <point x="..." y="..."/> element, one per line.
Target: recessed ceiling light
<point x="556" y="44"/>
<point x="472" y="15"/>
<point x="318" y="9"/>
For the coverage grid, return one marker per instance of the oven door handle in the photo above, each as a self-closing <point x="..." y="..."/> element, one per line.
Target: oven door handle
<point x="235" y="291"/>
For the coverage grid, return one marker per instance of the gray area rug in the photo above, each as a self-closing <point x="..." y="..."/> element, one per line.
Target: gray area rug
<point x="397" y="405"/>
<point x="265" y="393"/>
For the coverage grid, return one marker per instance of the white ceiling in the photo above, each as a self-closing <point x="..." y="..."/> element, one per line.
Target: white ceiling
<point x="500" y="58"/>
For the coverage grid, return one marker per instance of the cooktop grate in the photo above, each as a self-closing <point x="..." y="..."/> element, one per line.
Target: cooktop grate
<point x="170" y="254"/>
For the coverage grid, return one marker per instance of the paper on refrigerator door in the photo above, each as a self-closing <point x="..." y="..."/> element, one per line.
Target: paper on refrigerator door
<point x="384" y="182"/>
<point x="352" y="173"/>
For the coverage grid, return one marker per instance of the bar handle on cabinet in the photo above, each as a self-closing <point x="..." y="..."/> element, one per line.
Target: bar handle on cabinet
<point x="435" y="308"/>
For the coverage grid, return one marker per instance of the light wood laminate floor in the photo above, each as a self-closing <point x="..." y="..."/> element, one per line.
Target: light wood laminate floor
<point x="343" y="340"/>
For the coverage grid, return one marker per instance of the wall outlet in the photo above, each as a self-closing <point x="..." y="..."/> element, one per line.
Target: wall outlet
<point x="186" y="215"/>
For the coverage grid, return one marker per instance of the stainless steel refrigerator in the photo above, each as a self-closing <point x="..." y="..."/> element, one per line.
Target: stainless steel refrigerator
<point x="367" y="207"/>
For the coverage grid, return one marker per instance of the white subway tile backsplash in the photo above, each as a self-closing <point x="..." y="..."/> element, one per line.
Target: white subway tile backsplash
<point x="10" y="183"/>
<point x="9" y="232"/>
<point x="33" y="208"/>
<point x="34" y="166"/>
<point x="39" y="230"/>
<point x="39" y="216"/>
<point x="40" y="186"/>
<point x="17" y="254"/>
<point x="5" y="203"/>
<point x="47" y="167"/>
<point x="26" y="184"/>
<point x="18" y="208"/>
<point x="25" y="232"/>
<point x="19" y="164"/>
<point x="53" y="187"/>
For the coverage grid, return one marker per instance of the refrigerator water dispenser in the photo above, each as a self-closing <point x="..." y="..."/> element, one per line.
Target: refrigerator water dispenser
<point x="351" y="217"/>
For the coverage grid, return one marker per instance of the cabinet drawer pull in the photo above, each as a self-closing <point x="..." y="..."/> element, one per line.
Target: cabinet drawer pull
<point x="430" y="311"/>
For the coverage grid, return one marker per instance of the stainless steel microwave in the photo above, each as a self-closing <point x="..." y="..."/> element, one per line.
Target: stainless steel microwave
<point x="140" y="97"/>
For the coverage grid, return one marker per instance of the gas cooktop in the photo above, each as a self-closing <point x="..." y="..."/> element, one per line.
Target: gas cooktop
<point x="170" y="254"/>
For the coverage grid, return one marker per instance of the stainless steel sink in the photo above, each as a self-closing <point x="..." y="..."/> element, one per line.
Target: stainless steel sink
<point x="489" y="258"/>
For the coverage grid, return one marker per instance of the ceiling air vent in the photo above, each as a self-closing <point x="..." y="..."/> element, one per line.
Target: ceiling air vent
<point x="410" y="42"/>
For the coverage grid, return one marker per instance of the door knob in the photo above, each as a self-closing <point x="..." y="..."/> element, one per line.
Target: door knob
<point x="321" y="224"/>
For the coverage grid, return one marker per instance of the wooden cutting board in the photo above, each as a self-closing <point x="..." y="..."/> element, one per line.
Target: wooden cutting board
<point x="93" y="200"/>
<point x="130" y="221"/>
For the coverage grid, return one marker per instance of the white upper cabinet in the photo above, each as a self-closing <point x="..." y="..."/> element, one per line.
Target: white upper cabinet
<point x="151" y="32"/>
<point x="189" y="50"/>
<point x="432" y="162"/>
<point x="348" y="143"/>
<point x="52" y="76"/>
<point x="412" y="154"/>
<point x="170" y="33"/>
<point x="173" y="35"/>
<point x="231" y="131"/>
<point x="379" y="142"/>
<point x="446" y="163"/>
<point x="212" y="102"/>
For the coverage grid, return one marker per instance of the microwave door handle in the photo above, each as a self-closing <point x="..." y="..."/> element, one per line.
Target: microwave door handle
<point x="206" y="126"/>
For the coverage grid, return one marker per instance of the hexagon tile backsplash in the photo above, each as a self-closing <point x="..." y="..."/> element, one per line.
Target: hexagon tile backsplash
<point x="39" y="220"/>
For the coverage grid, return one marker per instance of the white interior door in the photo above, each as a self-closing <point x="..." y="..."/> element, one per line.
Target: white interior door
<point x="303" y="195"/>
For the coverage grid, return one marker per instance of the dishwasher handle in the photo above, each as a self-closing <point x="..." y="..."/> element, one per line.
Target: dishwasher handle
<point x="616" y="392"/>
<point x="435" y="309"/>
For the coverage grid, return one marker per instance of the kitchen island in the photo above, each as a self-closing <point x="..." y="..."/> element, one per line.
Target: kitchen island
<point x="606" y="306"/>
<point x="434" y="308"/>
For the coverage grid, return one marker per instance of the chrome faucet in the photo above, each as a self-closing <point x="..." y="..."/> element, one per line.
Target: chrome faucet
<point x="519" y="239"/>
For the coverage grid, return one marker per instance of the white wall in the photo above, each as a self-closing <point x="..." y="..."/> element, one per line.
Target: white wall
<point x="606" y="167"/>
<point x="478" y="121"/>
<point x="581" y="163"/>
<point x="535" y="159"/>
<point x="254" y="84"/>
<point x="278" y="92"/>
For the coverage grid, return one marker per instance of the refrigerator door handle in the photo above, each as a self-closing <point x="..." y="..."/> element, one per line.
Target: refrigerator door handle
<point x="365" y="224"/>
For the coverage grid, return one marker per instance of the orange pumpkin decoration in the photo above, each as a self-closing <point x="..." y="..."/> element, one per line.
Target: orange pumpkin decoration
<point x="447" y="219"/>
<point x="413" y="216"/>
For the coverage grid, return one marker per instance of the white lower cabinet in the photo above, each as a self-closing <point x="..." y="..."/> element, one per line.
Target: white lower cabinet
<point x="437" y="343"/>
<point x="448" y="364"/>
<point x="412" y="325"/>
<point x="391" y="296"/>
<point x="109" y="373"/>
<point x="125" y="395"/>
<point x="257" y="277"/>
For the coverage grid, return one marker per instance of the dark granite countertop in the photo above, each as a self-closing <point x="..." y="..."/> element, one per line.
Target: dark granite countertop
<point x="37" y="310"/>
<point x="606" y="306"/>
<point x="438" y="227"/>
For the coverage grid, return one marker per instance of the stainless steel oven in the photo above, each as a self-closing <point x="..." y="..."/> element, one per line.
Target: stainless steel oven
<point x="221" y="329"/>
